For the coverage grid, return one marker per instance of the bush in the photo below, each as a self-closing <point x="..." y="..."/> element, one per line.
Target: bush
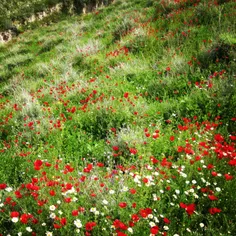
<point x="21" y="9"/>
<point x="204" y="15"/>
<point x="122" y="29"/>
<point x="219" y="52"/>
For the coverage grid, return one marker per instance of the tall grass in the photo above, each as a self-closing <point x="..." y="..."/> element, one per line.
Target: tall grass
<point x="121" y="121"/>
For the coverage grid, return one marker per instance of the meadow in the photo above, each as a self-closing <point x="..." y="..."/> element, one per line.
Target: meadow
<point x="121" y="122"/>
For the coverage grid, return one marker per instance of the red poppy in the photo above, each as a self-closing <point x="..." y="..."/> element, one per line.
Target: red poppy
<point x="133" y="151"/>
<point x="126" y="95"/>
<point x="63" y="221"/>
<point x="214" y="210"/>
<point x="24" y="218"/>
<point x="56" y="226"/>
<point x="121" y="234"/>
<point x="190" y="208"/>
<point x="75" y="212"/>
<point x="15" y="214"/>
<point x="214" y="173"/>
<point x="122" y="204"/>
<point x="89" y="226"/>
<point x="52" y="192"/>
<point x="135" y="217"/>
<point x="145" y="212"/>
<point x="166" y="220"/>
<point x="132" y="191"/>
<point x="115" y="148"/>
<point x="145" y="180"/>
<point x="154" y="230"/>
<point x="228" y="177"/>
<point x="3" y="186"/>
<point x="212" y="197"/>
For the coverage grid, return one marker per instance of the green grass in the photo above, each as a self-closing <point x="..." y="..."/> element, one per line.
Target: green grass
<point x="133" y="104"/>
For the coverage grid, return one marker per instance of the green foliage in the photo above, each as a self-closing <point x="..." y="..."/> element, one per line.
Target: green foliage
<point x="19" y="10"/>
<point x="122" y="29"/>
<point x="49" y="45"/>
<point x="220" y="52"/>
<point x="205" y="15"/>
<point x="134" y="99"/>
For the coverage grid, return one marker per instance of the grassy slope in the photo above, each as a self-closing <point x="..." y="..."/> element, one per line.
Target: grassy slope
<point x="142" y="87"/>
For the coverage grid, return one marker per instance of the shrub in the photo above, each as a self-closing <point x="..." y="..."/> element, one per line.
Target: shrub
<point x="13" y="10"/>
<point x="122" y="29"/>
<point x="219" y="52"/>
<point x="204" y="15"/>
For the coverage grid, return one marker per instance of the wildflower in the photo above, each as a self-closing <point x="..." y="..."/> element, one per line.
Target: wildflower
<point x="156" y="220"/>
<point x="201" y="225"/>
<point x="49" y="233"/>
<point x="63" y="221"/>
<point x="135" y="217"/>
<point x="78" y="223"/>
<point x="166" y="220"/>
<point x="93" y="209"/>
<point x="165" y="227"/>
<point x="228" y="177"/>
<point x="75" y="212"/>
<point x="152" y="224"/>
<point x="177" y="191"/>
<point x="24" y="218"/>
<point x="214" y="210"/>
<point x="52" y="208"/>
<point x="105" y="202"/>
<point x="190" y="208"/>
<point x="154" y="197"/>
<point x="133" y="151"/>
<point x="132" y="191"/>
<point x="150" y="216"/>
<point x="28" y="229"/>
<point x="15" y="219"/>
<point x="145" y="212"/>
<point x="52" y="216"/>
<point x="15" y="214"/>
<point x="122" y="204"/>
<point x="124" y="189"/>
<point x="89" y="226"/>
<point x="154" y="230"/>
<point x="8" y="189"/>
<point x="126" y="95"/>
<point x="111" y="192"/>
<point x="115" y="148"/>
<point x="130" y="230"/>
<point x="212" y="197"/>
<point x="60" y="212"/>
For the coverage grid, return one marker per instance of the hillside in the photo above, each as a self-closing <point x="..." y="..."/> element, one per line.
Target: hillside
<point x="121" y="122"/>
